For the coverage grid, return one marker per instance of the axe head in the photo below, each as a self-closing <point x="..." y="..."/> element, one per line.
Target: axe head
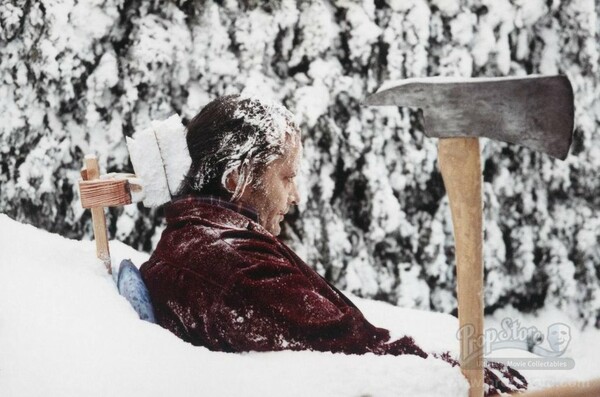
<point x="533" y="111"/>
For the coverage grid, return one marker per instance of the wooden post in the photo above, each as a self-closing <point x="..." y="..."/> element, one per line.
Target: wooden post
<point x="460" y="164"/>
<point x="92" y="172"/>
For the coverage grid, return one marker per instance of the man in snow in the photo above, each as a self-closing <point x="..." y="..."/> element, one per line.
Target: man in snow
<point x="219" y="276"/>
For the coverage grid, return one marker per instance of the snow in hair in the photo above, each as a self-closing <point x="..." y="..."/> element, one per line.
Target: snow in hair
<point x="272" y="124"/>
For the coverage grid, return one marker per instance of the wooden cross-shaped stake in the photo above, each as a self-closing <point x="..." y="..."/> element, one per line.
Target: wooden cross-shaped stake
<point x="96" y="192"/>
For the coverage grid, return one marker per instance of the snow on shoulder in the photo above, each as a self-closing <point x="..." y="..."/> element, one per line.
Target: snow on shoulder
<point x="64" y="325"/>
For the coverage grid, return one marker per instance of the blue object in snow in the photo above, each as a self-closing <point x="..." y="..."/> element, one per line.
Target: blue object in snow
<point x="132" y="287"/>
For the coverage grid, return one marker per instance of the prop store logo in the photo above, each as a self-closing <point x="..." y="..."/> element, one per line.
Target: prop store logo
<point x="512" y="335"/>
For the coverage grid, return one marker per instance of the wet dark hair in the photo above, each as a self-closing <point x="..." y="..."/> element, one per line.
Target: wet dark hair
<point x="234" y="133"/>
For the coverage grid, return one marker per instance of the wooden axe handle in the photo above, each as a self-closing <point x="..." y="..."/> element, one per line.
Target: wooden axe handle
<point x="460" y="164"/>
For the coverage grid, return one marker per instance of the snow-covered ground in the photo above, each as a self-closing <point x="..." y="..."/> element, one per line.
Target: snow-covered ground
<point x="65" y="331"/>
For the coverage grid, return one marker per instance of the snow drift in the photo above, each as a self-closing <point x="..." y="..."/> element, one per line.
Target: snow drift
<point x="65" y="331"/>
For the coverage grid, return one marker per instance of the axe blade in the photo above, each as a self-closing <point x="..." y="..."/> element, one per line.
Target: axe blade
<point x="533" y="111"/>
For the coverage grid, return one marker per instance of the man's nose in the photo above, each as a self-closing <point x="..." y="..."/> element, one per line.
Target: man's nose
<point x="295" y="196"/>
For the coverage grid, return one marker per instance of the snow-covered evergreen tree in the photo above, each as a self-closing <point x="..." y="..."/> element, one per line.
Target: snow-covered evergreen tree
<point x="77" y="77"/>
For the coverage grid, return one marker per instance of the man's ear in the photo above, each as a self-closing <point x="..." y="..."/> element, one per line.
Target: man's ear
<point x="231" y="181"/>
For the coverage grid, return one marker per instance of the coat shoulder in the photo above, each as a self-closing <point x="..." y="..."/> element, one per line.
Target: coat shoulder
<point x="211" y="239"/>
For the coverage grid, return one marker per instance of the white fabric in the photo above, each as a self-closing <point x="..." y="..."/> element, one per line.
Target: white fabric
<point x="170" y="134"/>
<point x="148" y="166"/>
<point x="160" y="158"/>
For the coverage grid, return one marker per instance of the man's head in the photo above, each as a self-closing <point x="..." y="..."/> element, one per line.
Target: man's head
<point x="245" y="150"/>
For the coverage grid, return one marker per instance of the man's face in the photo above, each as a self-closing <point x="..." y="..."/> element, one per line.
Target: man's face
<point x="276" y="189"/>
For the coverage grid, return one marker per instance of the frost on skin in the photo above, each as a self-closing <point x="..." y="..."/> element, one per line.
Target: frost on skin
<point x="264" y="115"/>
<point x="275" y="191"/>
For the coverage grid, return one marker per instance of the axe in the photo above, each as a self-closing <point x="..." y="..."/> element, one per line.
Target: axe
<point x="534" y="111"/>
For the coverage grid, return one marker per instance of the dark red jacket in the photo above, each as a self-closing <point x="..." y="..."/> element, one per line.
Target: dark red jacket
<point x="219" y="279"/>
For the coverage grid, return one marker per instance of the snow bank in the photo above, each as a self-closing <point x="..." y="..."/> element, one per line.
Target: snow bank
<point x="64" y="330"/>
